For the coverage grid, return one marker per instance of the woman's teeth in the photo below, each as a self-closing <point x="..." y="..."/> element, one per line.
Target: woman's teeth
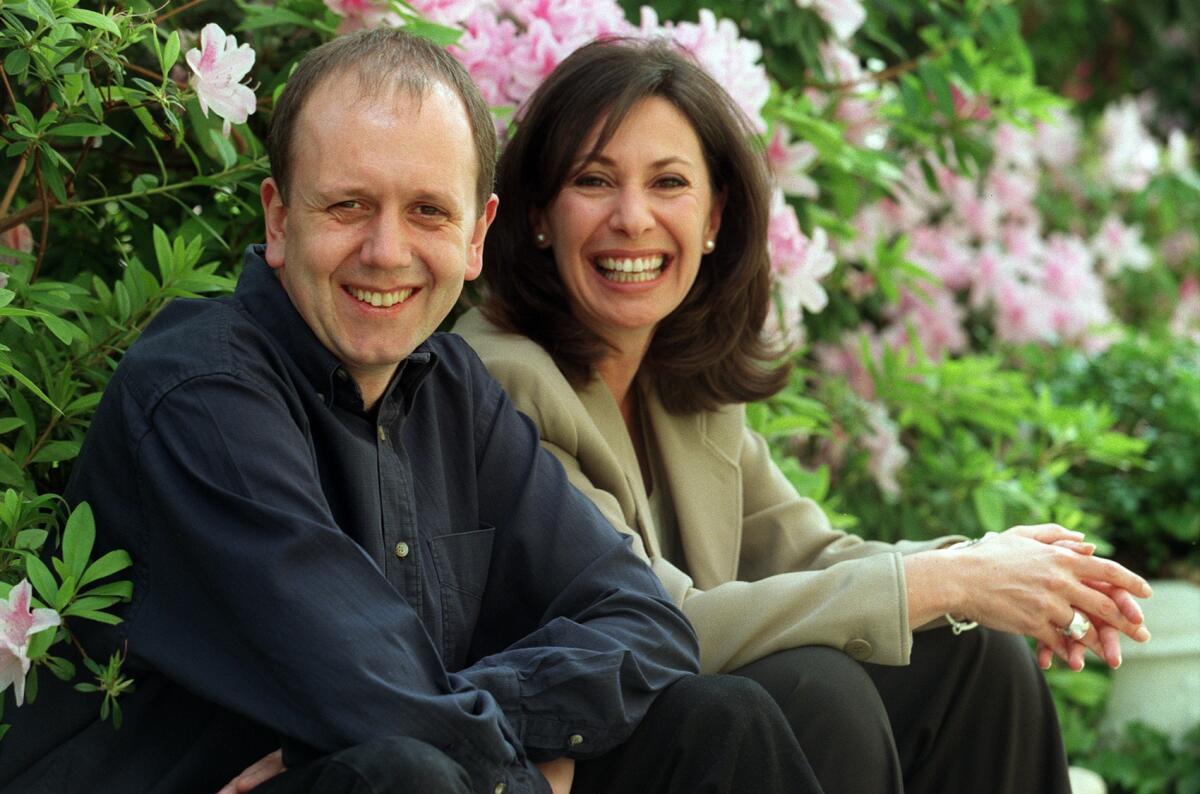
<point x="381" y="299"/>
<point x="625" y="270"/>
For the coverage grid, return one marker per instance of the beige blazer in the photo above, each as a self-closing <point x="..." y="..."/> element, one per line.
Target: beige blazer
<point x="765" y="571"/>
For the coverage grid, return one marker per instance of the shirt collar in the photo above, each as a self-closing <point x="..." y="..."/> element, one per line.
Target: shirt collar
<point x="264" y="298"/>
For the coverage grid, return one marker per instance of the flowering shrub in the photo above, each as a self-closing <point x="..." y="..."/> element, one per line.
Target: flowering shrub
<point x="940" y="221"/>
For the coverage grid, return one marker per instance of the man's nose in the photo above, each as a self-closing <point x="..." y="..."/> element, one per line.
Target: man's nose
<point x="387" y="243"/>
<point x="632" y="213"/>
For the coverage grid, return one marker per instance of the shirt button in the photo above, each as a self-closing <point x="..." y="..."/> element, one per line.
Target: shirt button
<point x="859" y="649"/>
<point x="575" y="740"/>
<point x="382" y="433"/>
<point x="499" y="789"/>
<point x="402" y="550"/>
<point x="342" y="374"/>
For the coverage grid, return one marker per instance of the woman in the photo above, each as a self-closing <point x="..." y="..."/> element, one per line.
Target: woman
<point x="627" y="288"/>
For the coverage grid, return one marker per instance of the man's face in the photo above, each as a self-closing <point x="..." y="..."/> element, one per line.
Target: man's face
<point x="380" y="229"/>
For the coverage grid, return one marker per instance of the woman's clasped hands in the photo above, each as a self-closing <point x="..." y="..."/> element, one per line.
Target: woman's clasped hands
<point x="1033" y="580"/>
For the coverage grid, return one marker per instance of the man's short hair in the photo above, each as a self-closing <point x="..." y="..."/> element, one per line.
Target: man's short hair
<point x="383" y="60"/>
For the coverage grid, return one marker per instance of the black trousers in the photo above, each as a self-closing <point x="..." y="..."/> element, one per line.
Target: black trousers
<point x="970" y="713"/>
<point x="703" y="735"/>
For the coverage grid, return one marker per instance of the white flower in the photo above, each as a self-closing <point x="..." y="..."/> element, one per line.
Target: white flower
<point x="17" y="624"/>
<point x="219" y="65"/>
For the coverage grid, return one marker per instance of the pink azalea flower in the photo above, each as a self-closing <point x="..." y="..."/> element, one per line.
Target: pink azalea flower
<point x="844" y="17"/>
<point x="1057" y="139"/>
<point x="484" y="50"/>
<point x="18" y="238"/>
<point x="1130" y="155"/>
<point x="1186" y="319"/>
<point x="444" y="12"/>
<point x="887" y="454"/>
<point x="219" y="65"/>
<point x="942" y="254"/>
<point x="1118" y="246"/>
<point x="732" y="61"/>
<point x="798" y="261"/>
<point x="844" y="359"/>
<point x="790" y="161"/>
<point x="17" y="624"/>
<point x="363" y="14"/>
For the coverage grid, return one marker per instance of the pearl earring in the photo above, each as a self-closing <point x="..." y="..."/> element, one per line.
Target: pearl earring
<point x="709" y="245"/>
<point x="539" y="238"/>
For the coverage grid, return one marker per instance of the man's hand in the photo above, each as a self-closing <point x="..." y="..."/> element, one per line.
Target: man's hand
<point x="261" y="770"/>
<point x="559" y="773"/>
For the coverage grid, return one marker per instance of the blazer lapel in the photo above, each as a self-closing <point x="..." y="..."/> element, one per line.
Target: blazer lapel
<point x="703" y="473"/>
<point x="604" y="412"/>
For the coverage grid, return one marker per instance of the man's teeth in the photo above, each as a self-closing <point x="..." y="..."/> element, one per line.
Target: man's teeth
<point x="630" y="269"/>
<point x="381" y="299"/>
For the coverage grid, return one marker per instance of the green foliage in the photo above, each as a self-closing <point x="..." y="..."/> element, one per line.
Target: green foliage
<point x="1145" y="761"/>
<point x="1152" y="386"/>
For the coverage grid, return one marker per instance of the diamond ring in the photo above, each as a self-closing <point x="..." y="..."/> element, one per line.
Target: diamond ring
<point x="1078" y="626"/>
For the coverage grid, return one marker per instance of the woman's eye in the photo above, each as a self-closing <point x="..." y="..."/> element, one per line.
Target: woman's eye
<point x="589" y="180"/>
<point x="671" y="182"/>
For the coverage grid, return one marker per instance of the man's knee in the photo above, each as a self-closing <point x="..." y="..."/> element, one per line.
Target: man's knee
<point x="395" y="764"/>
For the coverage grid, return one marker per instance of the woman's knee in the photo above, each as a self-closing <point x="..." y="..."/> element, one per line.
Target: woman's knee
<point x="399" y="764"/>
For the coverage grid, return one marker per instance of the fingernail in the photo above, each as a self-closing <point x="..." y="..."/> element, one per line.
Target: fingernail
<point x="1118" y="664"/>
<point x="1142" y="634"/>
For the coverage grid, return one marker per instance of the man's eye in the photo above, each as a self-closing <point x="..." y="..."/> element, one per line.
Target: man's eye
<point x="349" y="204"/>
<point x="430" y="211"/>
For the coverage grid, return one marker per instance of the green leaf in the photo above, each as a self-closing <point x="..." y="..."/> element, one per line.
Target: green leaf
<point x="41" y="578"/>
<point x="163" y="252"/>
<point x="16" y="62"/>
<point x="122" y="589"/>
<point x="438" y="34"/>
<point x="10" y="423"/>
<point x="99" y="617"/>
<point x="81" y="129"/>
<point x="78" y="539"/>
<point x="989" y="507"/>
<point x="31" y="539"/>
<point x="90" y="604"/>
<point x="62" y="669"/>
<point x="92" y="19"/>
<point x="57" y="451"/>
<point x="31" y="684"/>
<point x="67" y="332"/>
<point x="116" y="560"/>
<point x="170" y="51"/>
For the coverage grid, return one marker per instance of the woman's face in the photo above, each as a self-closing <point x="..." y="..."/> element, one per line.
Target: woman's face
<point x="628" y="227"/>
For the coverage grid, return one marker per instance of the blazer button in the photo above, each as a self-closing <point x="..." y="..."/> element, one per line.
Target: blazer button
<point x="858" y="649"/>
<point x="499" y="789"/>
<point x="401" y="550"/>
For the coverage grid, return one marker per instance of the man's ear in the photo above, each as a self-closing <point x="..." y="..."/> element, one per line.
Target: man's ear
<point x="475" y="251"/>
<point x="275" y="215"/>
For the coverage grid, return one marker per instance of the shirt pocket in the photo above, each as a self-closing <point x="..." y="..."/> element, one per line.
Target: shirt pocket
<point x="462" y="561"/>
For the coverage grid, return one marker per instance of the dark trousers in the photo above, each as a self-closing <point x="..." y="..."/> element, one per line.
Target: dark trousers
<point x="969" y="713"/>
<point x="703" y="735"/>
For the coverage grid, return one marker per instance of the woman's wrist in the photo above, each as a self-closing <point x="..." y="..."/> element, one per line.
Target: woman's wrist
<point x="934" y="584"/>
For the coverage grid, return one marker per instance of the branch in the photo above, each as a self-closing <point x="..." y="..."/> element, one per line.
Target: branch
<point x="41" y="183"/>
<point x="12" y="184"/>
<point x="153" y="75"/>
<point x="164" y="17"/>
<point x="11" y="97"/>
<point x="46" y="203"/>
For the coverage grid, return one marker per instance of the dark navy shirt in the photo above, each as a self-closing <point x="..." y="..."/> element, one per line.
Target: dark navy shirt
<point x="313" y="573"/>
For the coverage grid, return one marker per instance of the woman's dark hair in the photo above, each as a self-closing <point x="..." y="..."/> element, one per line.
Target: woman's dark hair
<point x="710" y="351"/>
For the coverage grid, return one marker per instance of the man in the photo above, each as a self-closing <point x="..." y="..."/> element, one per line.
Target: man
<point x="345" y="539"/>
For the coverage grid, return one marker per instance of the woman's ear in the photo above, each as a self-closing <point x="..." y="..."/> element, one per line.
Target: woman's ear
<point x="714" y="216"/>
<point x="541" y="238"/>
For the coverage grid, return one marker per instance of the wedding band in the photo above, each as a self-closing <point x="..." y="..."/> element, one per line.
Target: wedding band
<point x="1078" y="626"/>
